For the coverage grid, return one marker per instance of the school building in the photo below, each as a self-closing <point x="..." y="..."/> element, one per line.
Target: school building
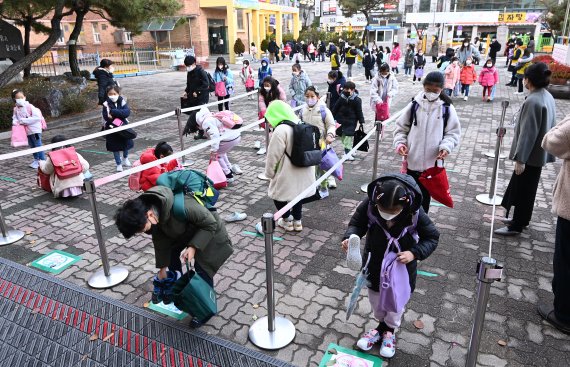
<point x="210" y="27"/>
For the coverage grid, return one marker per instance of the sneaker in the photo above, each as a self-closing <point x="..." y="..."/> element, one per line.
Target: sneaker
<point x="349" y="157"/>
<point x="465" y="98"/>
<point x="230" y="177"/>
<point x="119" y="168"/>
<point x="488" y="99"/>
<point x="297" y="225"/>
<point x="259" y="229"/>
<point x="35" y="164"/>
<point x="353" y="257"/>
<point x="235" y="217"/>
<point x="157" y="290"/>
<point x="126" y="162"/>
<point x="367" y="341"/>
<point x="261" y="151"/>
<point x="388" y="348"/>
<point x="235" y="169"/>
<point x="518" y="93"/>
<point x="332" y="182"/>
<point x="323" y="192"/>
<point x="257" y="145"/>
<point x="167" y="285"/>
<point x="286" y="224"/>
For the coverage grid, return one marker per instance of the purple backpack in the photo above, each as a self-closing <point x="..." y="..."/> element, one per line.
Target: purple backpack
<point x="395" y="291"/>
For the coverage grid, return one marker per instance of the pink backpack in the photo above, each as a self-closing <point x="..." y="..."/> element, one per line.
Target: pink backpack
<point x="135" y="178"/>
<point x="229" y="119"/>
<point x="43" y="121"/>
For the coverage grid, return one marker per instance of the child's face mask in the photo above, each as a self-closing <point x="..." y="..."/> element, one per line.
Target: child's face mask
<point x="21" y="102"/>
<point x="114" y="98"/>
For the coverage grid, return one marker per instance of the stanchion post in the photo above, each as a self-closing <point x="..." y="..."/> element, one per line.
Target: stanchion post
<point x="499" y="154"/>
<point x="262" y="176"/>
<point x="271" y="332"/>
<point x="108" y="276"/>
<point x="492" y="198"/>
<point x="329" y="100"/>
<point x="487" y="273"/>
<point x="379" y="130"/>
<point x="9" y="236"/>
<point x="178" y="113"/>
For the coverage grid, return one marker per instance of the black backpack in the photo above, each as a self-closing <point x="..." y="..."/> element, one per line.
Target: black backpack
<point x="444" y="113"/>
<point x="306" y="150"/>
<point x="211" y="83"/>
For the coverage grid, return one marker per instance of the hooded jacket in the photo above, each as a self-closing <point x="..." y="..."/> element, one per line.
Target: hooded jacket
<point x="202" y="230"/>
<point x="466" y="52"/>
<point x="197" y="82"/>
<point x="377" y="89"/>
<point x="557" y="143"/>
<point x="287" y="180"/>
<point x="348" y="112"/>
<point x="111" y="110"/>
<point x="452" y="74"/>
<point x="468" y="75"/>
<point x="149" y="176"/>
<point x="298" y="85"/>
<point x="335" y="89"/>
<point x="366" y="221"/>
<point x="214" y="128"/>
<point x="368" y="61"/>
<point x="428" y="137"/>
<point x="105" y="80"/>
<point x="264" y="71"/>
<point x="409" y="59"/>
<point x="32" y="121"/>
<point x="313" y="116"/>
<point x="488" y="76"/>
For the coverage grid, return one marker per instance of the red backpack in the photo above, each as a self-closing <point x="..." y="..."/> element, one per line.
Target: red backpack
<point x="66" y="162"/>
<point x="135" y="178"/>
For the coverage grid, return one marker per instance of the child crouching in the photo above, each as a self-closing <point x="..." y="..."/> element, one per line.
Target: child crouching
<point x="390" y="216"/>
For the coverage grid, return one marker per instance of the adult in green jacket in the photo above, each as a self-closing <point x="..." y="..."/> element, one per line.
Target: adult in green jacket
<point x="201" y="236"/>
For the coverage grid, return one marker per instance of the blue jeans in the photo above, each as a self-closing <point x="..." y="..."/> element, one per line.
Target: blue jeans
<point x="117" y="156"/>
<point x="448" y="91"/>
<point x="34" y="141"/>
<point x="465" y="89"/>
<point x="408" y="70"/>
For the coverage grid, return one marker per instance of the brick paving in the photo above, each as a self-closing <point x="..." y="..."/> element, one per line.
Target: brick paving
<point x="312" y="282"/>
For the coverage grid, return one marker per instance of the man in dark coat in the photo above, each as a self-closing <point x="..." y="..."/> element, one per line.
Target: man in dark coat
<point x="104" y="76"/>
<point x="196" y="83"/>
<point x="272" y="48"/>
<point x="494" y="47"/>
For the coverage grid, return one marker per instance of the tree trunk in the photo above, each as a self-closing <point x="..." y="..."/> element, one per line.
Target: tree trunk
<point x="14" y="69"/>
<point x="72" y="44"/>
<point x="365" y="33"/>
<point x="27" y="31"/>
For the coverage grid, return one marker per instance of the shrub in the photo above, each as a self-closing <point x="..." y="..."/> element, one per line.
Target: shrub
<point x="74" y="104"/>
<point x="559" y="71"/>
<point x="6" y="112"/>
<point x="264" y="45"/>
<point x="239" y="47"/>
<point x="547" y="59"/>
<point x="86" y="74"/>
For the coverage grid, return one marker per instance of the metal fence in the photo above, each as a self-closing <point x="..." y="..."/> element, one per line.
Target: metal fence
<point x="125" y="62"/>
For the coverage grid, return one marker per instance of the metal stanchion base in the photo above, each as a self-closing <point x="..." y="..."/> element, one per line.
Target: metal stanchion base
<point x="491" y="154"/>
<point x="12" y="235"/>
<point x="364" y="188"/>
<point x="260" y="335"/>
<point x="116" y="276"/>
<point x="188" y="163"/>
<point x="262" y="177"/>
<point x="485" y="199"/>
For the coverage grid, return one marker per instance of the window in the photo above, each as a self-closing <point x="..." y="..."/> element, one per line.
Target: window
<point x="128" y="37"/>
<point x="384" y="36"/>
<point x="96" y="34"/>
<point x="61" y="39"/>
<point x="425" y="6"/>
<point x="240" y="19"/>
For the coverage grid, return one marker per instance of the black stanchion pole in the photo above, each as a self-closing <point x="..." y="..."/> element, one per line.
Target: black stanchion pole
<point x="178" y="113"/>
<point x="379" y="131"/>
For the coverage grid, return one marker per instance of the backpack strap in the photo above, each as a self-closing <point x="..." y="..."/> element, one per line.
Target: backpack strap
<point x="323" y="113"/>
<point x="445" y="114"/>
<point x="413" y="116"/>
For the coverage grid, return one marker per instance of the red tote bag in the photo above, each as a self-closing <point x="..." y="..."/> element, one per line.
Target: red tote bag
<point x="435" y="181"/>
<point x="382" y="111"/>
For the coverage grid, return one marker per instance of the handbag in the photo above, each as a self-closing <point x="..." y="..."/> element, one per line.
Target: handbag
<point x="220" y="90"/>
<point x="249" y="83"/>
<point x="19" y="136"/>
<point x="44" y="181"/>
<point x="359" y="134"/>
<point x="129" y="134"/>
<point x="329" y="159"/>
<point x="65" y="162"/>
<point x="192" y="294"/>
<point x="419" y="72"/>
<point x="382" y="110"/>
<point x="117" y="122"/>
<point x="217" y="175"/>
<point x="435" y="181"/>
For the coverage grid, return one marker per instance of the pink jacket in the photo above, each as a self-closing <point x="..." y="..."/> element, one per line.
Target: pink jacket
<point x="468" y="75"/>
<point x="396" y="54"/>
<point x="452" y="76"/>
<point x="263" y="105"/>
<point x="488" y="77"/>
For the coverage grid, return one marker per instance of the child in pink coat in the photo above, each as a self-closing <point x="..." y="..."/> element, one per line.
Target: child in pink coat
<point x="452" y="74"/>
<point x="488" y="78"/>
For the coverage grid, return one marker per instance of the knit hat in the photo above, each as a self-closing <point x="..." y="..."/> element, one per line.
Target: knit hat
<point x="538" y="74"/>
<point x="189" y="60"/>
<point x="435" y="78"/>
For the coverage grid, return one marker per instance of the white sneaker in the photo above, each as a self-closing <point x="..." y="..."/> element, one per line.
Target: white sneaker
<point x="297" y="225"/>
<point x="257" y="145"/>
<point x="332" y="182"/>
<point x="126" y="162"/>
<point x="323" y="192"/>
<point x="235" y="217"/>
<point x="259" y="228"/>
<point x="465" y="98"/>
<point x="353" y="257"/>
<point x="119" y="168"/>
<point x="35" y="164"/>
<point x="367" y="341"/>
<point x="235" y="169"/>
<point x="388" y="348"/>
<point x="518" y="93"/>
<point x="261" y="151"/>
<point x="286" y="224"/>
<point x="349" y="157"/>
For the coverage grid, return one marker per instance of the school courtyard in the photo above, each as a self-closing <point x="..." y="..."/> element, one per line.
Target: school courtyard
<point x="312" y="281"/>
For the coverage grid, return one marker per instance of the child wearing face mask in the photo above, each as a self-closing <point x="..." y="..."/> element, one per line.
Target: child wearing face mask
<point x="384" y="87"/>
<point x="316" y="113"/>
<point x="247" y="78"/>
<point x="264" y="71"/>
<point x="409" y="60"/>
<point x="105" y="79"/>
<point x="368" y="63"/>
<point x="348" y="113"/>
<point x="336" y="82"/>
<point x="225" y="77"/>
<point x="419" y="64"/>
<point x="31" y="117"/>
<point x="488" y="78"/>
<point x="452" y="74"/>
<point x="467" y="77"/>
<point x="115" y="113"/>
<point x="299" y="83"/>
<point x="397" y="232"/>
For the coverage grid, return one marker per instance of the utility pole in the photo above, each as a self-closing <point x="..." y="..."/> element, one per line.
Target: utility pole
<point x="565" y="26"/>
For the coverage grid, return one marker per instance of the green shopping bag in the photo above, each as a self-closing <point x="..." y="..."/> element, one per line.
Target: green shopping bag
<point x="192" y="294"/>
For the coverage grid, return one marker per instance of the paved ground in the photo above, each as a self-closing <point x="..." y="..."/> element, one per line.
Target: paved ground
<point x="312" y="282"/>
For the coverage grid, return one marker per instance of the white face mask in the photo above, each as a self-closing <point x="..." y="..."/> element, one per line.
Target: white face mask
<point x="312" y="101"/>
<point x="465" y="44"/>
<point x="489" y="65"/>
<point x="114" y="98"/>
<point x="263" y="64"/>
<point x="221" y="67"/>
<point x="330" y="81"/>
<point x="267" y="88"/>
<point x="111" y="69"/>
<point x="468" y="62"/>
<point x="295" y="73"/>
<point x="384" y="76"/>
<point x="431" y="96"/>
<point x="190" y="68"/>
<point x="388" y="216"/>
<point x="21" y="102"/>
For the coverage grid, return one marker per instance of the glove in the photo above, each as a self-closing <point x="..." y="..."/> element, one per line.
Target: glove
<point x="519" y="168"/>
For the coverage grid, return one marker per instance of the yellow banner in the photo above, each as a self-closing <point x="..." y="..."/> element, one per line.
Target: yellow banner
<point x="512" y="17"/>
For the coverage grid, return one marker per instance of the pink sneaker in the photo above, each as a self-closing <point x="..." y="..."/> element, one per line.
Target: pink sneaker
<point x="367" y="341"/>
<point x="388" y="348"/>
